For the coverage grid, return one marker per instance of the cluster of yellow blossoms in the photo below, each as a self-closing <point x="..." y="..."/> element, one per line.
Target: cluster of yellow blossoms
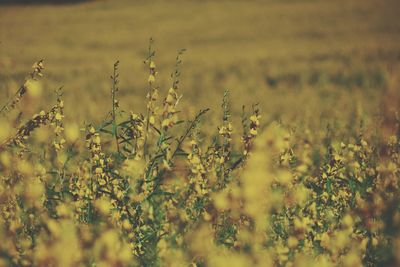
<point x="170" y="194"/>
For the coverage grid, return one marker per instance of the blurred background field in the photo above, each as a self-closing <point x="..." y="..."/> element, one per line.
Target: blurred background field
<point x="300" y="59"/>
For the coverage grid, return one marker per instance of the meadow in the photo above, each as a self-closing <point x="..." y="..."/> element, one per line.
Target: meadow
<point x="200" y="133"/>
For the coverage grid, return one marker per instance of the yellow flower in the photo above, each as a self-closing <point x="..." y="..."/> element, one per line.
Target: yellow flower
<point x="165" y="123"/>
<point x="96" y="139"/>
<point x="253" y="132"/>
<point x="152" y="120"/>
<point x="151" y="78"/>
<point x="292" y="241"/>
<point x="58" y="117"/>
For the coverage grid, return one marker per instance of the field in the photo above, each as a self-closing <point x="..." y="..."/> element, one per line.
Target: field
<point x="243" y="133"/>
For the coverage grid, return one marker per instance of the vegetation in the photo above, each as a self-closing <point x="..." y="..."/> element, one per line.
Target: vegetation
<point x="297" y="164"/>
<point x="149" y="190"/>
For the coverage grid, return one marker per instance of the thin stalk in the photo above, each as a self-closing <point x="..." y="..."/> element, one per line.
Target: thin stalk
<point x="188" y="130"/>
<point x="150" y="91"/>
<point x="114" y="89"/>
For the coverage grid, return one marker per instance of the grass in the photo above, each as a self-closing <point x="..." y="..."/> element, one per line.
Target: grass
<point x="289" y="45"/>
